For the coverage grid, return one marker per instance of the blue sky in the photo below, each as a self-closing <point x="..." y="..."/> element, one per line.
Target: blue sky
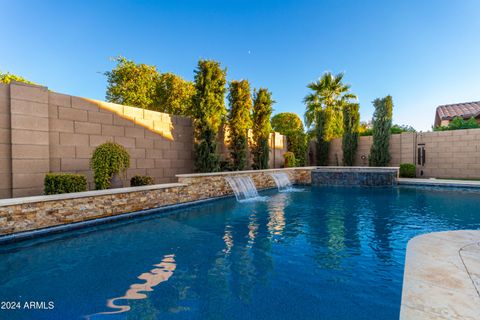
<point x="423" y="53"/>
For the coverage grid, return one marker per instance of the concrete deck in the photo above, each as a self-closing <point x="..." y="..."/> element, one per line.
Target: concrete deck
<point x="439" y="183"/>
<point x="442" y="276"/>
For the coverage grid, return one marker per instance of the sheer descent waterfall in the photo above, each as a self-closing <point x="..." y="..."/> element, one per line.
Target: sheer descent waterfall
<point x="281" y="180"/>
<point x="243" y="187"/>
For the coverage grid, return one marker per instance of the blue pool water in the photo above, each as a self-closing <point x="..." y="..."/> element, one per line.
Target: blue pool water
<point x="325" y="253"/>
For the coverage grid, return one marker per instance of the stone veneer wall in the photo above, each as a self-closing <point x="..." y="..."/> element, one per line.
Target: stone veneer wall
<point x="43" y="131"/>
<point x="24" y="214"/>
<point x="449" y="154"/>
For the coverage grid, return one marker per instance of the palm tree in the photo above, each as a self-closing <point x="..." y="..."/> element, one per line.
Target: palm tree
<point x="324" y="110"/>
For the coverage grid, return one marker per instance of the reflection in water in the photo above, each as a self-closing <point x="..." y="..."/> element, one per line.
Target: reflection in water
<point x="252" y="229"/>
<point x="154" y="277"/>
<point x="228" y="239"/>
<point x="276" y="215"/>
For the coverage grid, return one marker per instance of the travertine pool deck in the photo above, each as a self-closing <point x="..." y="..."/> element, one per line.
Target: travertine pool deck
<point x="442" y="276"/>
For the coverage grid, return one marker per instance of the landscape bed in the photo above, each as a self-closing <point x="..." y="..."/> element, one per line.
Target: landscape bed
<point x="311" y="252"/>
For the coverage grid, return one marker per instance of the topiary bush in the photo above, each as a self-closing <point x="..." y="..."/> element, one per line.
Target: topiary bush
<point x="56" y="183"/>
<point x="408" y="170"/>
<point x="290" y="160"/>
<point x="108" y="159"/>
<point x="137" y="181"/>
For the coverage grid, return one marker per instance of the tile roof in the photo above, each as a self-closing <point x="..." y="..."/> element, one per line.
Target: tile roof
<point x="465" y="110"/>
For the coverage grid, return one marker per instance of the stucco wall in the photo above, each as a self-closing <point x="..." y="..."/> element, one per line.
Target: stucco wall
<point x="43" y="131"/>
<point x="448" y="154"/>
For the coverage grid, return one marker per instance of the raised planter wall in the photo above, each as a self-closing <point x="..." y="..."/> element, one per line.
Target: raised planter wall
<point x="33" y="213"/>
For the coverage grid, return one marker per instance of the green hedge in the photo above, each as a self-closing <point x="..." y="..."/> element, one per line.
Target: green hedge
<point x="138" y="181"/>
<point x="56" y="183"/>
<point x="290" y="161"/>
<point x="408" y="170"/>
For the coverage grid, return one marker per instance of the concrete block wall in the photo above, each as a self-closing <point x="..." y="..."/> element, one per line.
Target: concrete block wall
<point x="448" y="154"/>
<point x="43" y="131"/>
<point x="5" y="144"/>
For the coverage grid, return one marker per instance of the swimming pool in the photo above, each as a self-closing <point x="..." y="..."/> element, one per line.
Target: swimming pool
<point x="324" y="253"/>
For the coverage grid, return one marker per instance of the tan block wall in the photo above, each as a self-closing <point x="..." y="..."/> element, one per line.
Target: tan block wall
<point x="44" y="131"/>
<point x="160" y="145"/>
<point x="449" y="154"/>
<point x="5" y="143"/>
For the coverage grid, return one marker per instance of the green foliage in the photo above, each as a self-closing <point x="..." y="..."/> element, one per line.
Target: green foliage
<point x="240" y="102"/>
<point x="459" y="123"/>
<point x="137" y="181"/>
<point x="56" y="183"/>
<point x="322" y="145"/>
<point x="351" y="122"/>
<point x="290" y="125"/>
<point x="329" y="95"/>
<point x="174" y="95"/>
<point x="7" y="77"/>
<point x="262" y="110"/>
<point x="208" y="113"/>
<point x="132" y="84"/>
<point x="382" y="124"/>
<point x="397" y="128"/>
<point x="290" y="161"/>
<point x="408" y="170"/>
<point x="108" y="159"/>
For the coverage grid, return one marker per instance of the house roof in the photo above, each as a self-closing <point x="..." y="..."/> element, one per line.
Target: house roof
<point x="465" y="110"/>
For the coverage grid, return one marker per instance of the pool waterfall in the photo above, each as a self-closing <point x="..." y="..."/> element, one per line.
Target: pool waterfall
<point x="282" y="181"/>
<point x="243" y="187"/>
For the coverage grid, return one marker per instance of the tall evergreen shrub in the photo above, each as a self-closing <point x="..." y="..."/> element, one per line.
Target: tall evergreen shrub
<point x="240" y="101"/>
<point x="208" y="113"/>
<point x="382" y="124"/>
<point x="262" y="110"/>
<point x="351" y="123"/>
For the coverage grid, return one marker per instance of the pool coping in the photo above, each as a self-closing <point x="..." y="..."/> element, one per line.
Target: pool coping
<point x="438" y="183"/>
<point x="442" y="276"/>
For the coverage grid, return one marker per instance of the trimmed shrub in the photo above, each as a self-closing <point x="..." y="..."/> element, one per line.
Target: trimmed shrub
<point x="137" y="181"/>
<point x="408" y="170"/>
<point x="289" y="159"/>
<point x="56" y="183"/>
<point x="108" y="159"/>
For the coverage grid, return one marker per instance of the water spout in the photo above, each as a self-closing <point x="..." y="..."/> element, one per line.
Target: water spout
<point x="243" y="187"/>
<point x="282" y="181"/>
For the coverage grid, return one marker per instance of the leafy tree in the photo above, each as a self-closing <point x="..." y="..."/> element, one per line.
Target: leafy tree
<point x="324" y="110"/>
<point x="459" y="123"/>
<point x="262" y="110"/>
<point x="240" y="102"/>
<point x="208" y="112"/>
<point x="132" y="84"/>
<point x="382" y="124"/>
<point x="399" y="128"/>
<point x="351" y="122"/>
<point x="6" y="78"/>
<point x="174" y="95"/>
<point x="290" y="125"/>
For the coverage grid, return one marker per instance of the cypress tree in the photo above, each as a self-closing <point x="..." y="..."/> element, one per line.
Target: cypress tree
<point x="322" y="145"/>
<point x="382" y="124"/>
<point x="262" y="110"/>
<point x="208" y="113"/>
<point x="240" y="102"/>
<point x="351" y="123"/>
